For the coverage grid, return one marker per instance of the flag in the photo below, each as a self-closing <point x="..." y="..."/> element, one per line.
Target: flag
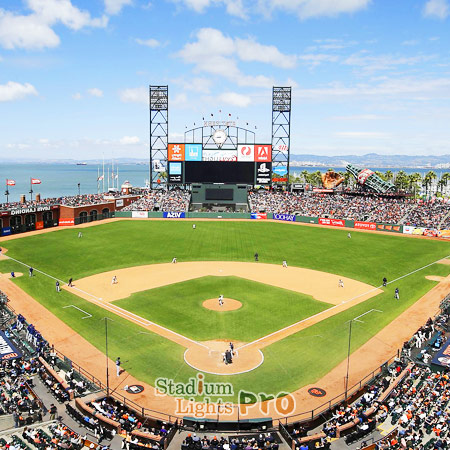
<point x="101" y="177"/>
<point x="35" y="181"/>
<point x="10" y="182"/>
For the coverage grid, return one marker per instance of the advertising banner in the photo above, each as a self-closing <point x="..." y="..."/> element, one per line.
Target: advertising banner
<point x="246" y="153"/>
<point x="332" y="222"/>
<point x="285" y="217"/>
<point x="139" y="214"/>
<point x="7" y="348"/>
<point x="444" y="233"/>
<point x="263" y="173"/>
<point x="442" y="357"/>
<point x="263" y="153"/>
<point x="258" y="216"/>
<point x="282" y="148"/>
<point x="175" y="172"/>
<point x="193" y="152"/>
<point x="365" y="225"/>
<point x="119" y="202"/>
<point x="175" y="152"/>
<point x="394" y="228"/>
<point x="174" y="215"/>
<point x="66" y="222"/>
<point x="280" y="170"/>
<point x="39" y="225"/>
<point x="6" y="231"/>
<point x="220" y="155"/>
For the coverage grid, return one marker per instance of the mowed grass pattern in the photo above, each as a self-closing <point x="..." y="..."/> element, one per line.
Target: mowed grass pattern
<point x="289" y="364"/>
<point x="265" y="308"/>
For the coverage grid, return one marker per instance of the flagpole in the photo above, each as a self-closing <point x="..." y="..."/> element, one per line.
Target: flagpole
<point x="103" y="179"/>
<point x="7" y="192"/>
<point x="31" y="189"/>
<point x="108" y="179"/>
<point x="98" y="180"/>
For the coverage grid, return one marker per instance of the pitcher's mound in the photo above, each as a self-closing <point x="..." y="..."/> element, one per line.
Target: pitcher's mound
<point x="228" y="304"/>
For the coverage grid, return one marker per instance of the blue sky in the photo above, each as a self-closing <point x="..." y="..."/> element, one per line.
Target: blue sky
<point x="367" y="75"/>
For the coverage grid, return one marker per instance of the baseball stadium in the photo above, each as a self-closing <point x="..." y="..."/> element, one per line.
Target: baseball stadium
<point x="223" y="298"/>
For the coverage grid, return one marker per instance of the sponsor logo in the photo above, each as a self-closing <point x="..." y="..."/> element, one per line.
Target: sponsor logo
<point x="193" y="152"/>
<point x="282" y="148"/>
<point x="263" y="153"/>
<point x="220" y="155"/>
<point x="365" y="225"/>
<point x="246" y="153"/>
<point x="139" y="214"/>
<point x="363" y="175"/>
<point x="39" y="225"/>
<point x="6" y="231"/>
<point x="7" y="350"/>
<point x="258" y="216"/>
<point x="176" y="152"/>
<point x="175" y="168"/>
<point x="317" y="392"/>
<point x="119" y="202"/>
<point x="263" y="171"/>
<point x="332" y="222"/>
<point x="66" y="222"/>
<point x="280" y="170"/>
<point x="29" y="210"/>
<point x="174" y="215"/>
<point x="134" y="388"/>
<point x="286" y="217"/>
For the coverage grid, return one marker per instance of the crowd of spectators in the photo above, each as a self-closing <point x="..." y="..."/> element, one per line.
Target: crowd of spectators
<point x="176" y="200"/>
<point x="262" y="441"/>
<point x="362" y="207"/>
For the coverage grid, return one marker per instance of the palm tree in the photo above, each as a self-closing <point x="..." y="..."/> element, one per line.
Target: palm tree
<point x="380" y="174"/>
<point x="388" y="175"/>
<point x="428" y="180"/>
<point x="401" y="180"/>
<point x="305" y="175"/>
<point x="414" y="178"/>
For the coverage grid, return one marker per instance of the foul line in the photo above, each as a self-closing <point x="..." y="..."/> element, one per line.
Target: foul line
<point x="336" y="306"/>
<point x="79" y="309"/>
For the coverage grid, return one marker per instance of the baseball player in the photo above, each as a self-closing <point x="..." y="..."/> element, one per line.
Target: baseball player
<point x="384" y="281"/>
<point x="220" y="300"/>
<point x="30" y="271"/>
<point x="341" y="283"/>
<point x="70" y="282"/>
<point x="80" y="234"/>
<point x="114" y="280"/>
<point x="58" y="288"/>
<point x="174" y="260"/>
<point x="193" y="226"/>
<point x="118" y="366"/>
<point x="397" y="294"/>
<point x="284" y="263"/>
<point x="349" y="235"/>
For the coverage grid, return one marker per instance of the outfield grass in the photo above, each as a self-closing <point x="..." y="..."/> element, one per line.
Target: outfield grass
<point x="265" y="308"/>
<point x="297" y="360"/>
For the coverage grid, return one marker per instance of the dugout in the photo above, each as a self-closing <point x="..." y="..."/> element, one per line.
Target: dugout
<point x="219" y="197"/>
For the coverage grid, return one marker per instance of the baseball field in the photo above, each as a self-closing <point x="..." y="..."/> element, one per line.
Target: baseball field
<point x="288" y="325"/>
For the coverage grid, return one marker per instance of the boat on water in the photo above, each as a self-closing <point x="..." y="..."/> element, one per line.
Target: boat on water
<point x="81" y="164"/>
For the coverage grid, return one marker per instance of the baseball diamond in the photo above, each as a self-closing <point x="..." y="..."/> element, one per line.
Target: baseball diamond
<point x="291" y="330"/>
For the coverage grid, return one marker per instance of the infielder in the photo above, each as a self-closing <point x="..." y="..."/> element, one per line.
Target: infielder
<point x="114" y="280"/>
<point x="341" y="283"/>
<point x="174" y="260"/>
<point x="284" y="263"/>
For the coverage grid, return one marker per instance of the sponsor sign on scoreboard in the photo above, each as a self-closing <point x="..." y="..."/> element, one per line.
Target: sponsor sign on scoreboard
<point x="263" y="172"/>
<point x="193" y="152"/>
<point x="175" y="172"/>
<point x="246" y="153"/>
<point x="263" y="153"/>
<point x="175" y="152"/>
<point x="220" y="155"/>
<point x="258" y="216"/>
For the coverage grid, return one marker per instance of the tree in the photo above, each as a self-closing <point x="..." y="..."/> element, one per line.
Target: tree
<point x="305" y="174"/>
<point x="388" y="175"/>
<point x="401" y="180"/>
<point x="380" y="174"/>
<point x="414" y="179"/>
<point x="428" y="180"/>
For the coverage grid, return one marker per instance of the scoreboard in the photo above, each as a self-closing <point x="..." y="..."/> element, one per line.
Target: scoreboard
<point x="247" y="164"/>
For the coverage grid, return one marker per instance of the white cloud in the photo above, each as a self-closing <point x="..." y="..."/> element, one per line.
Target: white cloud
<point x="233" y="7"/>
<point x="16" y="91"/>
<point x="134" y="95"/>
<point x="152" y="43"/>
<point x="438" y="9"/>
<point x="115" y="6"/>
<point x="129" y="140"/>
<point x="95" y="92"/>
<point x="34" y="31"/>
<point x="306" y="9"/>
<point x="215" y="53"/>
<point x="76" y="96"/>
<point x="235" y="99"/>
<point x="179" y="100"/>
<point x="363" y="135"/>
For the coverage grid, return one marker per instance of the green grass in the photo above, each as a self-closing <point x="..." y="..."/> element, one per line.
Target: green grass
<point x="289" y="364"/>
<point x="265" y="308"/>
